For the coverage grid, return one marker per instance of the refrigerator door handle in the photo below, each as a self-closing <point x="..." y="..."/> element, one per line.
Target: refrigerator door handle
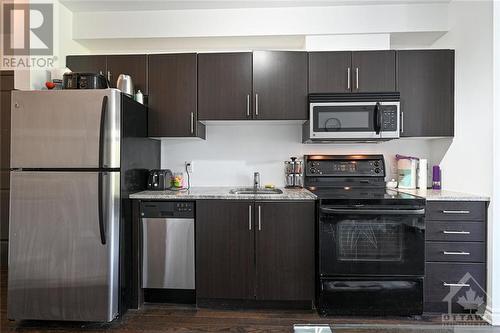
<point x="102" y="130"/>
<point x="100" y="209"/>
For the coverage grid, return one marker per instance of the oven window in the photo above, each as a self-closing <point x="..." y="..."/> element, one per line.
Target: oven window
<point x="343" y="118"/>
<point x="369" y="240"/>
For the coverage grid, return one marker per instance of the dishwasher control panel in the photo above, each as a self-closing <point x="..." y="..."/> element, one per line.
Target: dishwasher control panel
<point x="158" y="209"/>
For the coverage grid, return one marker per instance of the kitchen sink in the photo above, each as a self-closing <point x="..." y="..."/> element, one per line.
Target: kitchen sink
<point x="257" y="191"/>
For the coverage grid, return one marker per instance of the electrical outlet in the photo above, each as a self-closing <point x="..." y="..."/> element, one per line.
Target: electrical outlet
<point x="189" y="166"/>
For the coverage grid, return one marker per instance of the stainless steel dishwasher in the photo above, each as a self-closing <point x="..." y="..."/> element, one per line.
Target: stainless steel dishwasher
<point x="167" y="249"/>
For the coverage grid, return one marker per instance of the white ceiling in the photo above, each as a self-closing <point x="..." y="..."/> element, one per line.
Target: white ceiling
<point x="120" y="5"/>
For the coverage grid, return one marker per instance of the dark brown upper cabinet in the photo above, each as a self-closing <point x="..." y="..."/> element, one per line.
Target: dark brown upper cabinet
<point x="112" y="66"/>
<point x="225" y="249"/>
<point x="134" y="65"/>
<point x="426" y="83"/>
<point x="346" y="71"/>
<point x="373" y="71"/>
<point x="225" y="86"/>
<point x="280" y="85"/>
<point x="87" y="63"/>
<point x="173" y="96"/>
<point x="330" y="72"/>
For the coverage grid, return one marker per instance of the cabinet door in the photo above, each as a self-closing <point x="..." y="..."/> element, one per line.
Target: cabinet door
<point x="426" y="83"/>
<point x="225" y="249"/>
<point x="172" y="95"/>
<point x="224" y="86"/>
<point x="373" y="71"/>
<point x="330" y="72"/>
<point x="87" y="63"/>
<point x="133" y="65"/>
<point x="280" y="85"/>
<point x="285" y="250"/>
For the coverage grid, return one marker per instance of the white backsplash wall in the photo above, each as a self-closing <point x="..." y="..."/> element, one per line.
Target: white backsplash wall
<point x="233" y="151"/>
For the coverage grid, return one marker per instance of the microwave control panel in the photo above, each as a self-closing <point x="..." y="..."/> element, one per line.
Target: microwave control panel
<point x="389" y="118"/>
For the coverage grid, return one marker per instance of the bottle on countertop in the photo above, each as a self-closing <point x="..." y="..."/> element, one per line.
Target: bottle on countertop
<point x="436" y="177"/>
<point x="139" y="97"/>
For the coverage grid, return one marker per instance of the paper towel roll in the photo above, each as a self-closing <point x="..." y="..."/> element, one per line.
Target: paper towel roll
<point x="422" y="174"/>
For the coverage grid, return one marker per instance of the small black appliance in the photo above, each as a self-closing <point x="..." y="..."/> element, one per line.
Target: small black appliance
<point x="78" y="80"/>
<point x="159" y="179"/>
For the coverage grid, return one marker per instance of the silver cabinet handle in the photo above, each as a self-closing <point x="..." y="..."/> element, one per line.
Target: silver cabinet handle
<point x="456" y="284"/>
<point x="456" y="232"/>
<point x="456" y="212"/>
<point x="192" y="122"/>
<point x="260" y="225"/>
<point x="458" y="253"/>
<point x="348" y="78"/>
<point x="248" y="105"/>
<point x="249" y="217"/>
<point x="256" y="104"/>
<point x="357" y="78"/>
<point x="402" y="122"/>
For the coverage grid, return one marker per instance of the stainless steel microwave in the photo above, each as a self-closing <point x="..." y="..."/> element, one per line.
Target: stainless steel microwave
<point x="353" y="117"/>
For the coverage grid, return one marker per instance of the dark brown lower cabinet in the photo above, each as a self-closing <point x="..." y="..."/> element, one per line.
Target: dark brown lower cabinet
<point x="284" y="251"/>
<point x="224" y="249"/>
<point x="455" y="255"/>
<point x="261" y="251"/>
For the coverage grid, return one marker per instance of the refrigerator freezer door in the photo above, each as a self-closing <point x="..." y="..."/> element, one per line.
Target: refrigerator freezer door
<point x="59" y="268"/>
<point x="62" y="129"/>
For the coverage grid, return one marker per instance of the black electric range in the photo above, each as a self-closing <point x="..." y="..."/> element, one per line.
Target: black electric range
<point x="370" y="239"/>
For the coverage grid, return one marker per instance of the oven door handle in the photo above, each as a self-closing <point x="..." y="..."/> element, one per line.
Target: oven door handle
<point x="373" y="211"/>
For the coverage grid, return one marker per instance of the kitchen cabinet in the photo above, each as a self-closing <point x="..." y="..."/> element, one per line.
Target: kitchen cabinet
<point x="112" y="66"/>
<point x="224" y="249"/>
<point x="280" y="85"/>
<point x="260" y="251"/>
<point x="346" y="71"/>
<point x="225" y="86"/>
<point x="173" y="96"/>
<point x="6" y="86"/>
<point x="455" y="253"/>
<point x="284" y="250"/>
<point x="373" y="71"/>
<point x="87" y="63"/>
<point x="330" y="72"/>
<point x="425" y="79"/>
<point x="134" y="65"/>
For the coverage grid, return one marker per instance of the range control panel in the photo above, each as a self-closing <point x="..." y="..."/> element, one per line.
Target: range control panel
<point x="180" y="209"/>
<point x="345" y="165"/>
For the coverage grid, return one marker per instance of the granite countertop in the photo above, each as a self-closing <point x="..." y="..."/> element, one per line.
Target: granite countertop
<point x="222" y="192"/>
<point x="443" y="195"/>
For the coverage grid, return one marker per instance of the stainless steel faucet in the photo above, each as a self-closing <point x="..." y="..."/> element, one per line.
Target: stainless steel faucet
<point x="256" y="180"/>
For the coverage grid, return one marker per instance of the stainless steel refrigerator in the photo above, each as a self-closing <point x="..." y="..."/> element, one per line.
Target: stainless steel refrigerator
<point x="75" y="156"/>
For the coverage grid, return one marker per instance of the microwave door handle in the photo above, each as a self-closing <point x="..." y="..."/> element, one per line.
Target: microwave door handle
<point x="377" y="120"/>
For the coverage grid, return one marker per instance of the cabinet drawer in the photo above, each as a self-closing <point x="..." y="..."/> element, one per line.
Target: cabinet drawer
<point x="456" y="210"/>
<point x="454" y="251"/>
<point x="455" y="231"/>
<point x="438" y="274"/>
<point x="438" y="297"/>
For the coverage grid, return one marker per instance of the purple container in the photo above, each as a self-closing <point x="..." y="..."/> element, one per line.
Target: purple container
<point x="436" y="177"/>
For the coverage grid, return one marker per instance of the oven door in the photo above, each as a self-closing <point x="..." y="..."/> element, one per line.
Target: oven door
<point x="354" y="120"/>
<point x="372" y="242"/>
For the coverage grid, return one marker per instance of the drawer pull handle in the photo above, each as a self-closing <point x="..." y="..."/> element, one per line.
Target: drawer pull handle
<point x="456" y="212"/>
<point x="456" y="284"/>
<point x="456" y="232"/>
<point x="459" y="253"/>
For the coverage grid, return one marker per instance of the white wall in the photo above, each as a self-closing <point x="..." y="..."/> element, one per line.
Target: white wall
<point x="234" y="150"/>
